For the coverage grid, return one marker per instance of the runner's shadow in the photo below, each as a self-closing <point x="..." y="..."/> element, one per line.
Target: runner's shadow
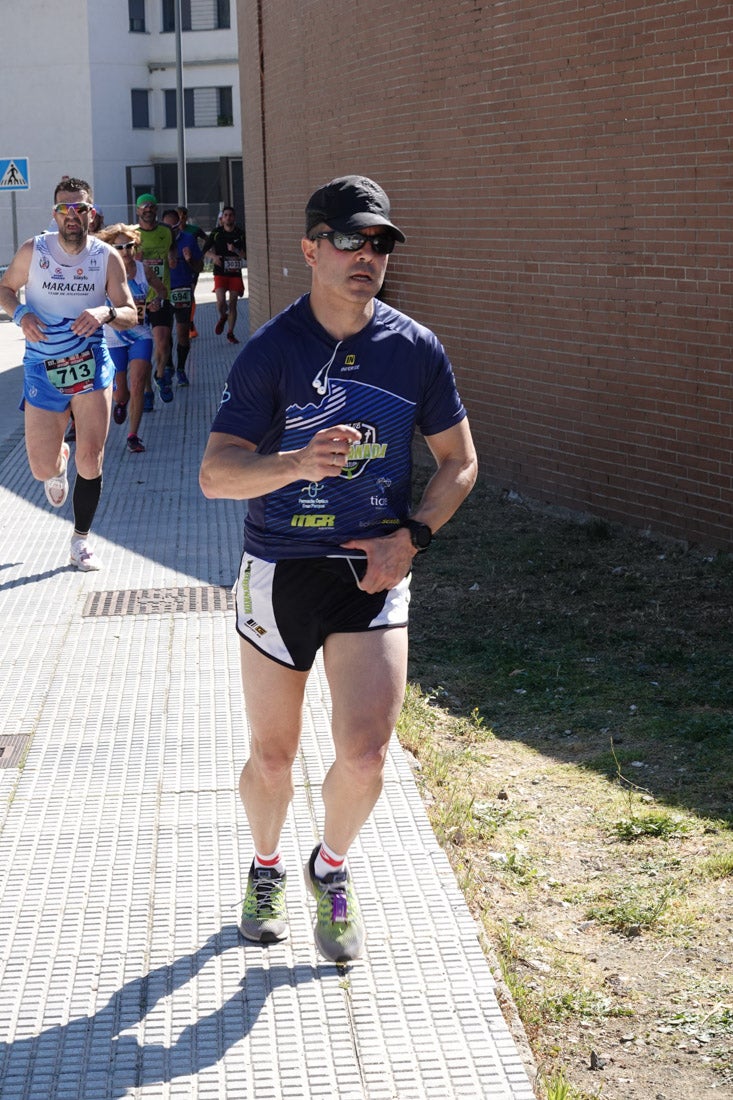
<point x="33" y="579"/>
<point x="90" y="1056"/>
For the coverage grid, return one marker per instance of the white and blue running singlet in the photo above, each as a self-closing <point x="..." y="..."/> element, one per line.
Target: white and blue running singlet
<point x="292" y="379"/>
<point x="59" y="288"/>
<point x="139" y="288"/>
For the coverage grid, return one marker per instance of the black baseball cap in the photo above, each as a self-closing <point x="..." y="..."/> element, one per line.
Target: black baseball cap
<point x="349" y="204"/>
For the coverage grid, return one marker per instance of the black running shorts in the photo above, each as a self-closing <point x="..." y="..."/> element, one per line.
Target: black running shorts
<point x="163" y="315"/>
<point x="287" y="609"/>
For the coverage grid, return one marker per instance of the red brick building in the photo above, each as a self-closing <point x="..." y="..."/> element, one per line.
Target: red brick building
<point x="562" y="171"/>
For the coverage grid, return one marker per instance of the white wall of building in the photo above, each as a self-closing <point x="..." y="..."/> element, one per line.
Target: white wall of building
<point x="45" y="92"/>
<point x="65" y="84"/>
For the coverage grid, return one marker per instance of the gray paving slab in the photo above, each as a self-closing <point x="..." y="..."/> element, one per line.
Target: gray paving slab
<point x="123" y="849"/>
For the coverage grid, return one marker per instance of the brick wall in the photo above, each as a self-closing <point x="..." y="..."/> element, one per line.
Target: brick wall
<point x="562" y="171"/>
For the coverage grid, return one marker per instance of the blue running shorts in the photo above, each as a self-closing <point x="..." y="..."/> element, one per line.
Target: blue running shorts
<point x="141" y="349"/>
<point x="90" y="370"/>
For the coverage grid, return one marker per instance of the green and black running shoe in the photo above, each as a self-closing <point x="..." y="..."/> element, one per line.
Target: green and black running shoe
<point x="264" y="915"/>
<point x="339" y="928"/>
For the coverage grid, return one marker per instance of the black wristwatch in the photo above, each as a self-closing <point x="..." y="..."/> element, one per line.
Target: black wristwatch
<point x="111" y="315"/>
<point x="420" y="534"/>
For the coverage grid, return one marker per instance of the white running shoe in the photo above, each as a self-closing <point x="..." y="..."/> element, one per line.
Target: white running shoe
<point x="57" y="488"/>
<point x="83" y="557"/>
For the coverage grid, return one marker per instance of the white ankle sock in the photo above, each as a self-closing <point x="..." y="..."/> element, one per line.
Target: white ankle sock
<point x="273" y="862"/>
<point x="328" y="861"/>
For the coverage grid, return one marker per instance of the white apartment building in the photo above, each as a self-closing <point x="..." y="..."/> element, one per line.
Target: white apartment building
<point x="89" y="90"/>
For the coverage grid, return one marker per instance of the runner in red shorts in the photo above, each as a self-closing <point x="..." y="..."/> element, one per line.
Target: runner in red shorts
<point x="227" y="248"/>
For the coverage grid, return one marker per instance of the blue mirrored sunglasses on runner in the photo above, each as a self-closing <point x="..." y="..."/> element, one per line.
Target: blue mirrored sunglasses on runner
<point x="72" y="208"/>
<point x="382" y="243"/>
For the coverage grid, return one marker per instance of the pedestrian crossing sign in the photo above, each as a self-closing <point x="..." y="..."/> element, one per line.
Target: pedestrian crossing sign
<point x="14" y="175"/>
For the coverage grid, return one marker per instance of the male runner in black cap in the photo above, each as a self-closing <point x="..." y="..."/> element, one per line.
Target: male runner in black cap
<point x="315" y="432"/>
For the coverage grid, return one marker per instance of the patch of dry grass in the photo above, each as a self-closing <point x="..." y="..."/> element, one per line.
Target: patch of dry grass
<point x="571" y="715"/>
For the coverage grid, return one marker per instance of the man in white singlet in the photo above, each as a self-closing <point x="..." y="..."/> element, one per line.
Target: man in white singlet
<point x="74" y="285"/>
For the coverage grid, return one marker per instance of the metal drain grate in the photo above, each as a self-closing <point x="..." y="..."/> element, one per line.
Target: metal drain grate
<point x="157" y="601"/>
<point x="12" y="749"/>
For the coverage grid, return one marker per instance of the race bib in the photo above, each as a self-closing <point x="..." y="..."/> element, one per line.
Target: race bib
<point x="158" y="267"/>
<point x="73" y="374"/>
<point x="181" y="296"/>
<point x="232" y="264"/>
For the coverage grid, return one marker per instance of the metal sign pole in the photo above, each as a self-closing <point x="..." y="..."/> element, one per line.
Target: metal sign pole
<point x="180" y="111"/>
<point x="14" y="216"/>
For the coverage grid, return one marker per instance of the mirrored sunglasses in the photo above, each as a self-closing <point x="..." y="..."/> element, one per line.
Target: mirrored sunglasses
<point x="382" y="243"/>
<point x="73" y="208"/>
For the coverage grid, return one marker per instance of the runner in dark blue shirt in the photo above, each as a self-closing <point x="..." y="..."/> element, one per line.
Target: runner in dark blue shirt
<point x="183" y="280"/>
<point x="293" y="376"/>
<point x="315" y="431"/>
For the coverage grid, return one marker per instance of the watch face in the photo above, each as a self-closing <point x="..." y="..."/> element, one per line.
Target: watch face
<point x="420" y="534"/>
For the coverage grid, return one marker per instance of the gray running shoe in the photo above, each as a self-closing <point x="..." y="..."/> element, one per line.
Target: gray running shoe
<point x="263" y="913"/>
<point x="339" y="929"/>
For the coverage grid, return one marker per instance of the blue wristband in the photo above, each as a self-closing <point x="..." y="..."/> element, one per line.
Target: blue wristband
<point x="20" y="313"/>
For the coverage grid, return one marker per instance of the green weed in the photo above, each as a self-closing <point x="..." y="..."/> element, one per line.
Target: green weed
<point x="719" y="866"/>
<point x="580" y="1004"/>
<point x="520" y="868"/>
<point x="653" y="824"/>
<point x="557" y="1087"/>
<point x="629" y="912"/>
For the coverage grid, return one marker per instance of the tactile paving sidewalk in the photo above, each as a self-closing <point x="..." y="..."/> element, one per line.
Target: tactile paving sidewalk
<point x="123" y="849"/>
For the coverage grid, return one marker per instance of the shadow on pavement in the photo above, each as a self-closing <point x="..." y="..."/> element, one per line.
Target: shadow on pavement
<point x="113" y="1063"/>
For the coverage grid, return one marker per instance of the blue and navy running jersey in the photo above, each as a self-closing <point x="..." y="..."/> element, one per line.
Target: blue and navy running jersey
<point x="182" y="275"/>
<point x="292" y="379"/>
